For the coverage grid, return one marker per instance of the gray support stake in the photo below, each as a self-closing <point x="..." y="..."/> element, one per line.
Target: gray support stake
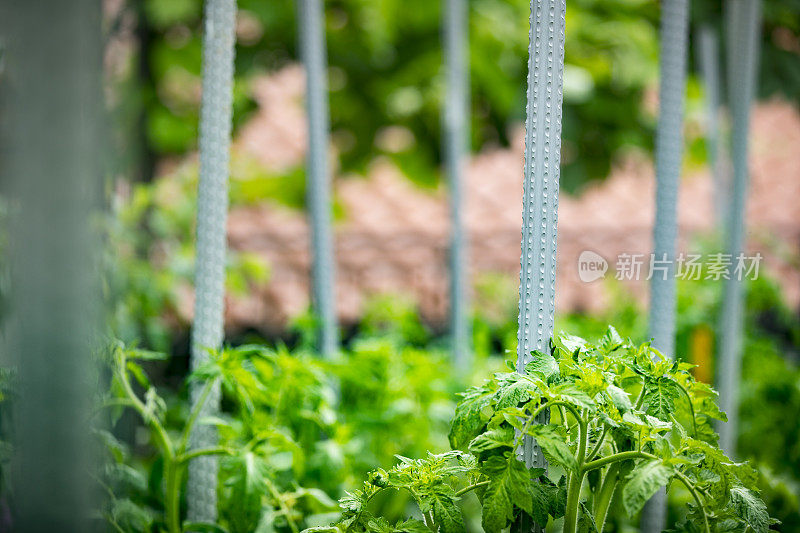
<point x="540" y="198"/>
<point x="212" y="209"/>
<point x="708" y="59"/>
<point x="456" y="142"/>
<point x="318" y="180"/>
<point x="51" y="152"/>
<point x="743" y="18"/>
<point x="669" y="158"/>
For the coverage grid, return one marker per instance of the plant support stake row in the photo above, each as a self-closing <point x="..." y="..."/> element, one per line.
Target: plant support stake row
<point x="540" y="198"/>
<point x="669" y="157"/>
<point x="456" y="142"/>
<point x="743" y="18"/>
<point x="212" y="208"/>
<point x="318" y="180"/>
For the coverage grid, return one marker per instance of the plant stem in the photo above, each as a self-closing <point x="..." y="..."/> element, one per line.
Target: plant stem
<point x="603" y="499"/>
<point x="172" y="472"/>
<point x="576" y="480"/>
<point x="216" y="450"/>
<point x="691" y="408"/>
<point x="471" y="487"/>
<point x="282" y="504"/>
<point x="162" y="439"/>
<point x="621" y="456"/>
<point x="172" y="497"/>
<point x="640" y="399"/>
<point x="599" y="443"/>
<point x="196" y="410"/>
<point x="696" y="497"/>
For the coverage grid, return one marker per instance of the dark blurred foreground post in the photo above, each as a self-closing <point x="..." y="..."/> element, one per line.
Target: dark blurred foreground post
<point x="49" y="159"/>
<point x="542" y="170"/>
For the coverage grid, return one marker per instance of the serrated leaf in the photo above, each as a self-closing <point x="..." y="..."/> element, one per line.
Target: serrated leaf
<point x="447" y="514"/>
<point x="550" y="439"/>
<point x="544" y="365"/>
<point x="541" y="494"/>
<point x="619" y="398"/>
<point x="611" y="340"/>
<point x="749" y="507"/>
<point x="493" y="438"/>
<point x="515" y="391"/>
<point x="508" y="484"/>
<point x="412" y="525"/>
<point x="469" y="417"/>
<point x="569" y="343"/>
<point x="659" y="397"/>
<point x="643" y="481"/>
<point x="586" y="523"/>
<point x="571" y="393"/>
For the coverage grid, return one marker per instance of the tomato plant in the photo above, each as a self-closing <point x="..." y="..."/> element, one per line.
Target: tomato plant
<point x="625" y="421"/>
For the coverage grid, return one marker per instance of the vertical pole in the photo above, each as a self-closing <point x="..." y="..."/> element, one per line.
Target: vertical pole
<point x="540" y="198"/>
<point x="456" y="143"/>
<point x="708" y="58"/>
<point x="669" y="157"/>
<point x="318" y="181"/>
<point x="212" y="208"/>
<point x="743" y="18"/>
<point x="50" y="164"/>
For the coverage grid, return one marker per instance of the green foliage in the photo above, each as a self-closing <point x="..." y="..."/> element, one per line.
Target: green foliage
<point x="287" y="443"/>
<point x="630" y="447"/>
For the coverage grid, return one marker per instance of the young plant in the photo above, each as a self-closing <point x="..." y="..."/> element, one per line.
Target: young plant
<point x="254" y="490"/>
<point x="625" y="421"/>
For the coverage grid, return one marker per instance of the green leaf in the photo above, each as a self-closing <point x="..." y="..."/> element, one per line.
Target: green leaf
<point x="645" y="479"/>
<point x="544" y="365"/>
<point x="659" y="397"/>
<point x="571" y="393"/>
<point x="412" y="526"/>
<point x="541" y="495"/>
<point x="508" y="487"/>
<point x="750" y="508"/>
<point x="569" y="343"/>
<point x="619" y="398"/>
<point x="552" y="441"/>
<point x="586" y="523"/>
<point x="611" y="340"/>
<point x="557" y="494"/>
<point x="493" y="438"/>
<point x="516" y="390"/>
<point x="469" y="417"/>
<point x="446" y="513"/>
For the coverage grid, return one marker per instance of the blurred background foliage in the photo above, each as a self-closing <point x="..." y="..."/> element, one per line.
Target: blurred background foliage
<point x="385" y="70"/>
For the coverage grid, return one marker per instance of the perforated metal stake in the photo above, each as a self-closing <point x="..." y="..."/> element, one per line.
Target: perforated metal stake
<point x="540" y="197"/>
<point x="318" y="180"/>
<point x="456" y="135"/>
<point x="669" y="156"/>
<point x="212" y="209"/>
<point x="743" y="18"/>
